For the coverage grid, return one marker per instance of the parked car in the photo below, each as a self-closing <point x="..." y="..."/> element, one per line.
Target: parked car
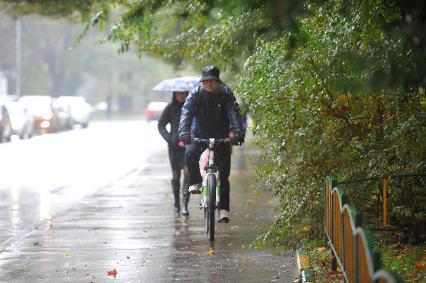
<point x="154" y="109"/>
<point x="5" y="125"/>
<point x="64" y="116"/>
<point x="79" y="109"/>
<point x="22" y="124"/>
<point x="40" y="108"/>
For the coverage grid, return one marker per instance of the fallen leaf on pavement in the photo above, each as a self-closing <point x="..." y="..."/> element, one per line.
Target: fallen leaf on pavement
<point x="113" y="273"/>
<point x="211" y="252"/>
<point x="68" y="254"/>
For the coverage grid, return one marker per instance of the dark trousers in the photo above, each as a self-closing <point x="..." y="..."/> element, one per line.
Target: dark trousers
<point x="222" y="160"/>
<point x="177" y="162"/>
<point x="177" y="157"/>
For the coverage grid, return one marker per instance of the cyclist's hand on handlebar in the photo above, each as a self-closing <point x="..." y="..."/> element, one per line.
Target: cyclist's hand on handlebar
<point x="185" y="140"/>
<point x="236" y="139"/>
<point x="231" y="136"/>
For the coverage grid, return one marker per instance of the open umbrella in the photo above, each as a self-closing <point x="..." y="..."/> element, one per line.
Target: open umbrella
<point x="178" y="84"/>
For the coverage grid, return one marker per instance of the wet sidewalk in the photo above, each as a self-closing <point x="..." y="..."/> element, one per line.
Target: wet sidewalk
<point x="128" y="229"/>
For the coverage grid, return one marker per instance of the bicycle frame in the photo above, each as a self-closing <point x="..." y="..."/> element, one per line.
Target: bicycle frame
<point x="211" y="169"/>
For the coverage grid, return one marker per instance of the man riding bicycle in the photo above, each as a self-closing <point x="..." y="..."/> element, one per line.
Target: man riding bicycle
<point x="213" y="112"/>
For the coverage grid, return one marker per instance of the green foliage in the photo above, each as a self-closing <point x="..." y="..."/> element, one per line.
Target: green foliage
<point x="322" y="103"/>
<point x="184" y="32"/>
<point x="407" y="207"/>
<point x="406" y="261"/>
<point x="320" y="260"/>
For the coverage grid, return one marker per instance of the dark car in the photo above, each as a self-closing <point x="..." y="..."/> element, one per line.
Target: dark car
<point x="5" y="125"/>
<point x="40" y="108"/>
<point x="22" y="123"/>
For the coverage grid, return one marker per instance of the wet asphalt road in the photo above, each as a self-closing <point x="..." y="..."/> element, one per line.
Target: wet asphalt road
<point x="108" y="207"/>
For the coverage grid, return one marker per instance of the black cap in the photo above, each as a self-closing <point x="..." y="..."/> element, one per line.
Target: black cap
<point x="210" y="73"/>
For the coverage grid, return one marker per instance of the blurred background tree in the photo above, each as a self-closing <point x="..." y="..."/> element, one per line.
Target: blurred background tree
<point x="52" y="63"/>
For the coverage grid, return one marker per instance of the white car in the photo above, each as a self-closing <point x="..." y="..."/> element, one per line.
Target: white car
<point x="22" y="124"/>
<point x="40" y="108"/>
<point x="80" y="110"/>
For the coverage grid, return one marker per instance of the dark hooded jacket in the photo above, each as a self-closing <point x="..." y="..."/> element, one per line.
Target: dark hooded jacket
<point x="212" y="115"/>
<point x="170" y="115"/>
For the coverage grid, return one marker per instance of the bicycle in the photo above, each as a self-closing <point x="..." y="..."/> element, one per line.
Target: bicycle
<point x="210" y="190"/>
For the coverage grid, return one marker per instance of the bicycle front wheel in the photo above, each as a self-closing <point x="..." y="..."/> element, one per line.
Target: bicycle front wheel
<point x="211" y="184"/>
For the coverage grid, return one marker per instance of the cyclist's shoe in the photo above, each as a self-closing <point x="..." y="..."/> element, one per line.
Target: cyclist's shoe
<point x="195" y="189"/>
<point x="185" y="200"/>
<point x="223" y="216"/>
<point x="185" y="211"/>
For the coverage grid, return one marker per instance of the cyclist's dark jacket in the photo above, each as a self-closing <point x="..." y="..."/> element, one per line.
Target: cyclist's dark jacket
<point x="214" y="114"/>
<point x="171" y="114"/>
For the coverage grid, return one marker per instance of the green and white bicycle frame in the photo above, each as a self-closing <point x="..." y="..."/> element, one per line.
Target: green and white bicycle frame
<point x="211" y="169"/>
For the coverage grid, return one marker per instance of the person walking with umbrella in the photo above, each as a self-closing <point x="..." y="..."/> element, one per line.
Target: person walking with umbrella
<point x="171" y="115"/>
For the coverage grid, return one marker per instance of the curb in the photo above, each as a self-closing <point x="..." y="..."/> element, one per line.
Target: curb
<point x="305" y="272"/>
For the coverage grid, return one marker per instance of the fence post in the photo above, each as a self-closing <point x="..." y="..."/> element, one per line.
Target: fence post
<point x="358" y="223"/>
<point x="333" y="183"/>
<point x="343" y="232"/>
<point x="333" y="261"/>
<point x="385" y="203"/>
<point x="325" y="210"/>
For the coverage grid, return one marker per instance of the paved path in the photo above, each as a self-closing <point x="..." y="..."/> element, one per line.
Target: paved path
<point x="129" y="226"/>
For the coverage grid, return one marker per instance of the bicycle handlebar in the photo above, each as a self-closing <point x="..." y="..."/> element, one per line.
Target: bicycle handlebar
<point x="216" y="141"/>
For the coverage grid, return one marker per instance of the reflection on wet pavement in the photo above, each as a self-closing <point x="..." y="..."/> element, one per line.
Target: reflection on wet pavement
<point x="45" y="175"/>
<point x="130" y="226"/>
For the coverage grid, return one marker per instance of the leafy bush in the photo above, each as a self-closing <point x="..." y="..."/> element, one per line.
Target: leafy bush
<point x="323" y="103"/>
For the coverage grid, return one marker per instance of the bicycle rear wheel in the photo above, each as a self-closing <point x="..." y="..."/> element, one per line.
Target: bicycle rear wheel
<point x="211" y="185"/>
